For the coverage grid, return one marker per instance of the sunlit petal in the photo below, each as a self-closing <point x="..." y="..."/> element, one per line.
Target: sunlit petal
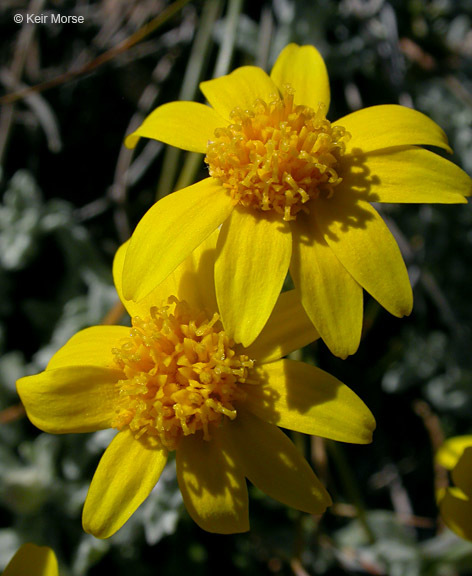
<point x="186" y="125"/>
<point x="212" y="485"/>
<point x="304" y="398"/>
<point x="304" y="69"/>
<point x="287" y="330"/>
<point x="331" y="297"/>
<point x="253" y="255"/>
<point x="70" y="399"/>
<point x="273" y="464"/>
<point x="90" y="347"/>
<point x="32" y="560"/>
<point x="192" y="281"/>
<point x="451" y="450"/>
<point x="126" y="474"/>
<point x="391" y="125"/>
<point x="366" y="248"/>
<point x="405" y="175"/>
<point x="168" y="233"/>
<point x="239" y="89"/>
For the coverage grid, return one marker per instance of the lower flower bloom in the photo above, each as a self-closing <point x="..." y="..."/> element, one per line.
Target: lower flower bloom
<point x="176" y="380"/>
<point x="455" y="503"/>
<point x="32" y="560"/>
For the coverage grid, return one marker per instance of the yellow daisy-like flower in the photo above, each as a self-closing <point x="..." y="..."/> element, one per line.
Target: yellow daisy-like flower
<point x="32" y="560"/>
<point x="455" y="503"/>
<point x="291" y="190"/>
<point x="176" y="380"/>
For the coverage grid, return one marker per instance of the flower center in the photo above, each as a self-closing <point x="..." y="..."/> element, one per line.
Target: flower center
<point x="182" y="375"/>
<point x="277" y="156"/>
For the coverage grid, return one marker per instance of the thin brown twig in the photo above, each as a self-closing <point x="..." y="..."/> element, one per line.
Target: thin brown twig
<point x="102" y="59"/>
<point x="12" y="413"/>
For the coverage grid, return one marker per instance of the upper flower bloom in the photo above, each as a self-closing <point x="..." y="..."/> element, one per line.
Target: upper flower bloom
<point x="176" y="380"/>
<point x="32" y="560"/>
<point x="455" y="503"/>
<point x="292" y="191"/>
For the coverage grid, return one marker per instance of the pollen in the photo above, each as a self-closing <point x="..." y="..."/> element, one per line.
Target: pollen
<point x="182" y="375"/>
<point x="277" y="156"/>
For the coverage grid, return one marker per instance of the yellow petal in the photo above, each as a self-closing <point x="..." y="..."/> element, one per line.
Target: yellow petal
<point x="127" y="472"/>
<point x="273" y="464"/>
<point x="391" y="125"/>
<point x="304" y="69"/>
<point x="168" y="233"/>
<point x="451" y="450"/>
<point x="192" y="281"/>
<point x="253" y="255"/>
<point x="212" y="485"/>
<point x="240" y="89"/>
<point x="32" y="560"/>
<point x="331" y="297"/>
<point x="70" y="399"/>
<point x="186" y="125"/>
<point x="462" y="473"/>
<point x="365" y="247"/>
<point x="457" y="514"/>
<point x="287" y="330"/>
<point x="304" y="398"/>
<point x="90" y="347"/>
<point x="404" y="175"/>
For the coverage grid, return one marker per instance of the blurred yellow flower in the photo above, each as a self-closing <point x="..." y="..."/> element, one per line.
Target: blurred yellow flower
<point x="176" y="380"/>
<point x="455" y="503"/>
<point x="32" y="560"/>
<point x="291" y="191"/>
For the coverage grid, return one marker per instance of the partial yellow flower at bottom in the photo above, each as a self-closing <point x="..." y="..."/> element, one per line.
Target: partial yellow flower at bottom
<point x="455" y="503"/>
<point x="177" y="381"/>
<point x="292" y="191"/>
<point x="32" y="560"/>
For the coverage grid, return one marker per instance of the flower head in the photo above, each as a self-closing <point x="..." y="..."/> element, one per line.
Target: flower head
<point x="177" y="380"/>
<point x="455" y="502"/>
<point x="292" y="191"/>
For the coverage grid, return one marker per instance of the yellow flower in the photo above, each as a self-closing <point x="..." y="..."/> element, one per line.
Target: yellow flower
<point x="32" y="560"/>
<point x="177" y="381"/>
<point x="292" y="191"/>
<point x="455" y="503"/>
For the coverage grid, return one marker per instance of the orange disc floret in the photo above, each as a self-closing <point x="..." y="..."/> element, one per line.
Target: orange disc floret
<point x="182" y="375"/>
<point x="277" y="156"/>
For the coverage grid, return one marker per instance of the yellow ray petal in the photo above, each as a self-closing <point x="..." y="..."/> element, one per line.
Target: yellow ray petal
<point x="239" y="89"/>
<point x="127" y="472"/>
<point x="273" y="464"/>
<point x="301" y="397"/>
<point x="287" y="330"/>
<point x="331" y="297"/>
<point x="391" y="125"/>
<point x="168" y="233"/>
<point x="406" y="175"/>
<point x="32" y="560"/>
<point x="192" y="281"/>
<point x="212" y="485"/>
<point x="462" y="473"/>
<point x="304" y="69"/>
<point x="365" y="247"/>
<point x="71" y="399"/>
<point x="253" y="255"/>
<point x="457" y="514"/>
<point x="451" y="450"/>
<point x="186" y="125"/>
<point x="90" y="347"/>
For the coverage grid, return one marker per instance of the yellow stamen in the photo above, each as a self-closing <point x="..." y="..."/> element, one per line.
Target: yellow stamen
<point x="182" y="375"/>
<point x="277" y="156"/>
